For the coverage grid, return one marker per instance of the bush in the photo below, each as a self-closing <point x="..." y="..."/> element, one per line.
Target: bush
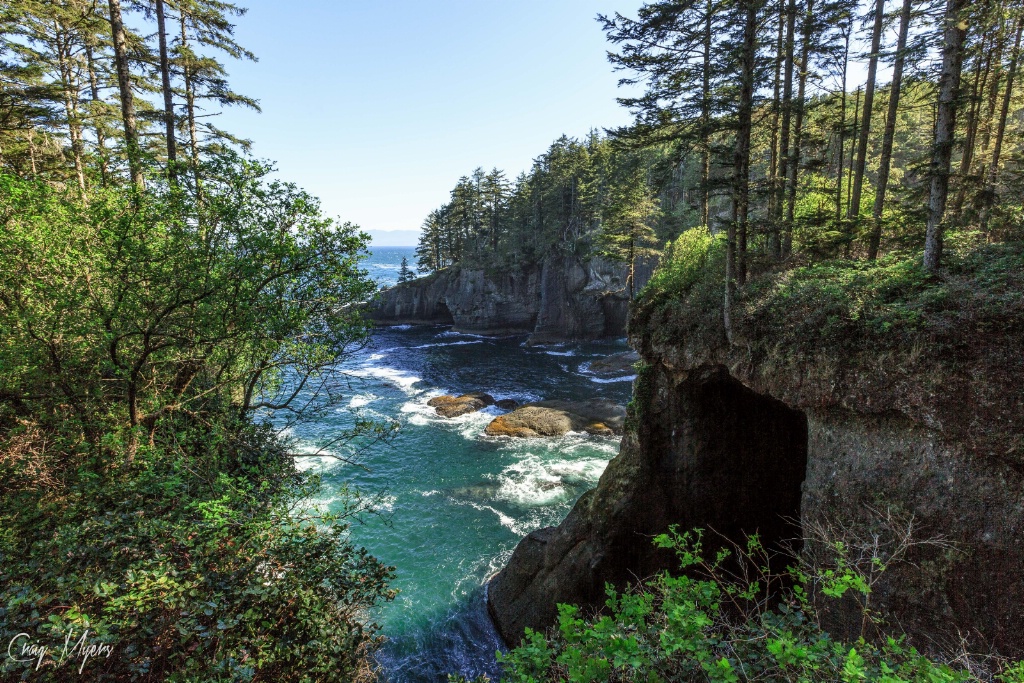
<point x="152" y="524"/>
<point x="726" y="619"/>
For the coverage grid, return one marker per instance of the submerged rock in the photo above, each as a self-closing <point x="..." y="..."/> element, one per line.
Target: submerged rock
<point x="555" y="418"/>
<point x="453" y="406"/>
<point x="615" y="365"/>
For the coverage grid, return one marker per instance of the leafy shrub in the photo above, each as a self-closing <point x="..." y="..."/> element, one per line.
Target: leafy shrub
<point x="724" y="619"/>
<point x="685" y="262"/>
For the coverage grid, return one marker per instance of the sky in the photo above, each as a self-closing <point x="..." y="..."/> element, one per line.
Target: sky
<point x="378" y="107"/>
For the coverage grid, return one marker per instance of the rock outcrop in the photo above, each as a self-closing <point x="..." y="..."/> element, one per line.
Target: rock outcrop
<point x="762" y="436"/>
<point x="560" y="299"/>
<point x="615" y="365"/>
<point x="453" y="406"/>
<point x="555" y="418"/>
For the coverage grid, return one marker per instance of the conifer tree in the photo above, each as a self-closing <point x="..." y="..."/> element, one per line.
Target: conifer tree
<point x="405" y="274"/>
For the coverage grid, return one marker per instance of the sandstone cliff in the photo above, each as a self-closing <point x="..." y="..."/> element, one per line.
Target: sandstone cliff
<point x="830" y="403"/>
<point x="560" y="299"/>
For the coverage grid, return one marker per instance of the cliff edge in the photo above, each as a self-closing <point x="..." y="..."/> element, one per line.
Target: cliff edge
<point x="849" y="388"/>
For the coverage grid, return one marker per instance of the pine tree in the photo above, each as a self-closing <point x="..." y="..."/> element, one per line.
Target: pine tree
<point x="405" y="274"/>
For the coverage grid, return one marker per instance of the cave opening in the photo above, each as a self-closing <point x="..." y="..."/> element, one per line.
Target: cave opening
<point x="443" y="314"/>
<point x="734" y="465"/>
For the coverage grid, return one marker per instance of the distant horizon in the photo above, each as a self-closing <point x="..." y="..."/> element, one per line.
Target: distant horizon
<point x="393" y="238"/>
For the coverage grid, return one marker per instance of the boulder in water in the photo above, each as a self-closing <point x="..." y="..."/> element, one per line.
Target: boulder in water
<point x="555" y="418"/>
<point x="507" y="404"/>
<point x="453" y="406"/>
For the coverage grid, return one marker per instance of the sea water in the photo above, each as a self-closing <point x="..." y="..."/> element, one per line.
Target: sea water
<point x="453" y="503"/>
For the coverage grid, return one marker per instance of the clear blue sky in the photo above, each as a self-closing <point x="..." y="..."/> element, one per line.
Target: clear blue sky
<point x="377" y="107"/>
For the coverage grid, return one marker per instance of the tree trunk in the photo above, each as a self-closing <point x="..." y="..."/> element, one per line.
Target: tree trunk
<point x="945" y="129"/>
<point x="124" y="85"/>
<point x="773" y="147"/>
<point x="744" y="121"/>
<point x="794" y="165"/>
<point x="69" y="89"/>
<point x="190" y="109"/>
<point x="885" y="161"/>
<point x="787" y="112"/>
<point x="981" y="72"/>
<point x="773" y="165"/>
<point x="1011" y="73"/>
<point x="165" y="78"/>
<point x="865" y="123"/>
<point x="841" y="156"/>
<point x="853" y="149"/>
<point x="705" y="113"/>
<point x="94" y="90"/>
<point x="735" y="260"/>
<point x="993" y="92"/>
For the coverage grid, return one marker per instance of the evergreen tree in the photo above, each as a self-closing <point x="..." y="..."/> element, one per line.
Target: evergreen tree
<point x="405" y="274"/>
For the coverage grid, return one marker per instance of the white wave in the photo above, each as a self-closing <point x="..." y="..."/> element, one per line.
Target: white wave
<point x="628" y="378"/>
<point x="560" y="353"/>
<point x="520" y="397"/>
<point x="427" y="494"/>
<point x="400" y="327"/>
<point x="510" y="523"/>
<point x="472" y="425"/>
<point x="386" y="504"/>
<point x="400" y="378"/>
<point x="360" y="400"/>
<point x="533" y="481"/>
<point x="320" y="463"/>
<point x="455" y="343"/>
<point x="453" y="333"/>
<point x="588" y="470"/>
<point x="528" y="483"/>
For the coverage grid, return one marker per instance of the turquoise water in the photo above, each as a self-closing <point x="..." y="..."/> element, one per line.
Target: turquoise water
<point x="454" y="502"/>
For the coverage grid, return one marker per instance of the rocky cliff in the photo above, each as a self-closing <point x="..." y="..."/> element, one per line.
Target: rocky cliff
<point x="830" y="407"/>
<point x="561" y="299"/>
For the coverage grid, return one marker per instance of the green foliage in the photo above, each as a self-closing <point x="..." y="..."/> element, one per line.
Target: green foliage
<point x="581" y="197"/>
<point x="147" y="507"/>
<point x="685" y="262"/>
<point x="706" y="624"/>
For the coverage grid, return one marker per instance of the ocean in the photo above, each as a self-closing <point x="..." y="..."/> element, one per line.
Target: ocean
<point x="453" y="503"/>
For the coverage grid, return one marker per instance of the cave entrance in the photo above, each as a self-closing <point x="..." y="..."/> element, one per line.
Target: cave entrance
<point x="443" y="314"/>
<point x="733" y="465"/>
<point x="742" y="461"/>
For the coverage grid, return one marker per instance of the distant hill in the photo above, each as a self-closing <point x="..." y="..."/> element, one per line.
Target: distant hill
<point x="394" y="238"/>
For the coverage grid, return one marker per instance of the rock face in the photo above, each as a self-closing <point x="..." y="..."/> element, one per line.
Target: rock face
<point x="453" y="406"/>
<point x="560" y="299"/>
<point x="721" y="439"/>
<point x="713" y="468"/>
<point x="555" y="418"/>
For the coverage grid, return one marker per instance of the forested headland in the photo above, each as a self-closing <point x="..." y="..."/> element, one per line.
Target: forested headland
<point x="847" y="241"/>
<point x="160" y="296"/>
<point x="747" y="123"/>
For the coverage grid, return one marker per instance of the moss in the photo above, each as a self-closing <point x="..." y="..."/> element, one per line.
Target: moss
<point x="643" y="390"/>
